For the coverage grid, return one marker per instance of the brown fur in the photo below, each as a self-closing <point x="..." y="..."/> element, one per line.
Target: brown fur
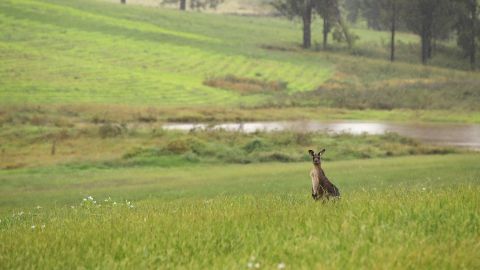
<point x="321" y="186"/>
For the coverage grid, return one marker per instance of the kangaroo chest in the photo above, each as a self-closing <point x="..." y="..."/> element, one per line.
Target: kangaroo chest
<point x="319" y="179"/>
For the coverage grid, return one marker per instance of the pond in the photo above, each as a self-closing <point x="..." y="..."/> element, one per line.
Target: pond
<point x="461" y="135"/>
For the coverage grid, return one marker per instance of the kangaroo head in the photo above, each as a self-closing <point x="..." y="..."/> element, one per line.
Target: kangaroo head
<point x="316" y="157"/>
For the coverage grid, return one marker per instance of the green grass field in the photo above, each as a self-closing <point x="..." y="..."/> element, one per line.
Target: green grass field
<point x="89" y="179"/>
<point x="409" y="212"/>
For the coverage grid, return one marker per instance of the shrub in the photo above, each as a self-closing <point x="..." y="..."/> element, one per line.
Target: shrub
<point x="178" y="146"/>
<point x="254" y="144"/>
<point x="111" y="130"/>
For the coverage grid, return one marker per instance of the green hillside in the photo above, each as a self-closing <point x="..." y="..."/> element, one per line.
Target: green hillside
<point x="56" y="51"/>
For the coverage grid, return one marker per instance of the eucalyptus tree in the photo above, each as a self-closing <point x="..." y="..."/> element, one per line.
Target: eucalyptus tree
<point x="303" y="9"/>
<point x="431" y="20"/>
<point x="468" y="32"/>
<point x="330" y="13"/>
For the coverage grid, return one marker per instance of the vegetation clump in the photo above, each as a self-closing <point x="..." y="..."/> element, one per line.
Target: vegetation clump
<point x="234" y="147"/>
<point x="246" y="85"/>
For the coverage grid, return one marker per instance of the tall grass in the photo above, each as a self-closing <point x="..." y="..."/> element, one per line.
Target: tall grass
<point x="415" y="212"/>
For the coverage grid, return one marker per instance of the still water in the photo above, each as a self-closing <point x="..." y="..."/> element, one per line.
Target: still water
<point x="461" y="135"/>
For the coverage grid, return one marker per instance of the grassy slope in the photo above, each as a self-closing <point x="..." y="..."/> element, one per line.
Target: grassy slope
<point x="56" y="51"/>
<point x="409" y="212"/>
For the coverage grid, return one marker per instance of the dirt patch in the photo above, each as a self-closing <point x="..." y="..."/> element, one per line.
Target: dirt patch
<point x="246" y="85"/>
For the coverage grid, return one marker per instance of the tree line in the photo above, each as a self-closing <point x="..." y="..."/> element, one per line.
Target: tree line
<point x="431" y="20"/>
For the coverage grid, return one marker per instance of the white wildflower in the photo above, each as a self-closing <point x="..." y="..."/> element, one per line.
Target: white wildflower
<point x="257" y="265"/>
<point x="424" y="188"/>
<point x="281" y="265"/>
<point x="250" y="265"/>
<point x="94" y="201"/>
<point x="33" y="227"/>
<point x="90" y="198"/>
<point x="39" y="207"/>
<point x="84" y="199"/>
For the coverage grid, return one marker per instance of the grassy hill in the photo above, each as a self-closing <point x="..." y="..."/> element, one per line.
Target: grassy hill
<point x="89" y="52"/>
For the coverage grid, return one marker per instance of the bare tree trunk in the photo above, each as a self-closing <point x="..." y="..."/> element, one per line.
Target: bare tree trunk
<point x="473" y="48"/>
<point x="123" y="1"/>
<point x="183" y="4"/>
<point x="424" y="45"/>
<point x="326" y="30"/>
<point x="307" y="21"/>
<point x="393" y="28"/>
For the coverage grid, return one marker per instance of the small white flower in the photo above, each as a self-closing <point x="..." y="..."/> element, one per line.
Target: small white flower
<point x="39" y="207"/>
<point x="90" y="198"/>
<point x="281" y="265"/>
<point x="114" y="203"/>
<point x="72" y="207"/>
<point x="33" y="227"/>
<point x="257" y="265"/>
<point x="94" y="201"/>
<point x="424" y="188"/>
<point x="21" y="213"/>
<point x="250" y="265"/>
<point x="84" y="199"/>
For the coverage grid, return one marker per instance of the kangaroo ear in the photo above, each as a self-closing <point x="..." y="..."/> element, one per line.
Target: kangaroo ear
<point x="321" y="151"/>
<point x="311" y="152"/>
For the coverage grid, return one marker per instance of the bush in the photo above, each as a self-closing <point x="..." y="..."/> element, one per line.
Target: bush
<point x="178" y="146"/>
<point x="255" y="144"/>
<point x="111" y="130"/>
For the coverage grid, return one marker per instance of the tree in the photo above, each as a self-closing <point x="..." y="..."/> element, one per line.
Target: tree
<point x="393" y="26"/>
<point x="383" y="15"/>
<point x="467" y="28"/>
<point x="353" y="8"/>
<point x="123" y="1"/>
<point x="330" y="13"/>
<point x="298" y="9"/>
<point x="430" y="19"/>
<point x="371" y="10"/>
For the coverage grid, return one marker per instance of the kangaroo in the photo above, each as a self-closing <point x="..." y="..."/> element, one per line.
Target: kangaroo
<point x="321" y="186"/>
